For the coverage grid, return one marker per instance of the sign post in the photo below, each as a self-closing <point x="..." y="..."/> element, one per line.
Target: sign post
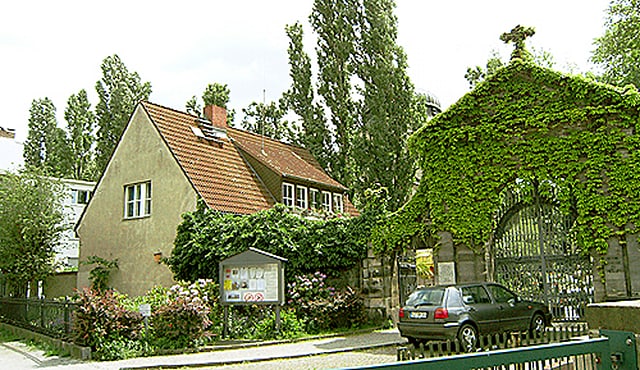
<point x="254" y="277"/>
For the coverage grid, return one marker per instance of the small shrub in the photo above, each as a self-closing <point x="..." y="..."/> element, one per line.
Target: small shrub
<point x="321" y="306"/>
<point x="184" y="320"/>
<point x="100" y="319"/>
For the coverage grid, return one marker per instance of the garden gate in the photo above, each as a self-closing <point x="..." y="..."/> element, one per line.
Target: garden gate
<point x="407" y="275"/>
<point x="534" y="253"/>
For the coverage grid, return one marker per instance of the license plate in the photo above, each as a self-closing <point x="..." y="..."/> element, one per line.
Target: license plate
<point x="418" y="315"/>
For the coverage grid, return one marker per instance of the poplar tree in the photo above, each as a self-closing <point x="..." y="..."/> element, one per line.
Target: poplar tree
<point x="118" y="91"/>
<point x="301" y="99"/>
<point x="46" y="146"/>
<point x="365" y="106"/>
<point x="81" y="126"/>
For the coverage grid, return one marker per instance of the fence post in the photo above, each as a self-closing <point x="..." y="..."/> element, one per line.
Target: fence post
<point x="41" y="305"/>
<point x="67" y="322"/>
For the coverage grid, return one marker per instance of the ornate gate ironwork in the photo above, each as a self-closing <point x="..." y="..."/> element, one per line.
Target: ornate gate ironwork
<point x="535" y="254"/>
<point x="407" y="276"/>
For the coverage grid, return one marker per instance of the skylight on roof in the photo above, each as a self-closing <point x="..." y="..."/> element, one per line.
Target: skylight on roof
<point x="198" y="132"/>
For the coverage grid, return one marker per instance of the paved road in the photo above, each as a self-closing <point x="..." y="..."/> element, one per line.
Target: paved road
<point x="339" y="351"/>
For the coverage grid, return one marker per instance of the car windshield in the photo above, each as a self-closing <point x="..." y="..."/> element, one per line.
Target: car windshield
<point x="426" y="297"/>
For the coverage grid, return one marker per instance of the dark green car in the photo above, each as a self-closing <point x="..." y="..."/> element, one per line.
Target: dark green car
<point x="466" y="311"/>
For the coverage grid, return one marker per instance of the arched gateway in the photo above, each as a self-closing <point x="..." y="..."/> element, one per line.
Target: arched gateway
<point x="534" y="253"/>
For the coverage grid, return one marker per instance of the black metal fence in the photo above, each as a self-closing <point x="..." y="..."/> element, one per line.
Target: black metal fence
<point x="50" y="317"/>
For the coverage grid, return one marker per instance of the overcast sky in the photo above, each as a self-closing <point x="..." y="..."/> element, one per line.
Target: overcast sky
<point x="55" y="48"/>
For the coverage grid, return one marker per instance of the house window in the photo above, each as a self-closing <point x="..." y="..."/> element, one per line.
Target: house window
<point x="301" y="197"/>
<point x="314" y="195"/>
<point x="287" y="194"/>
<point x="338" y="206"/>
<point x="326" y="201"/>
<point x="137" y="200"/>
<point x="81" y="196"/>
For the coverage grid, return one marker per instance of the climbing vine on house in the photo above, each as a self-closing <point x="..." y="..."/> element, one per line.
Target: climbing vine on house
<point x="205" y="237"/>
<point x="524" y="125"/>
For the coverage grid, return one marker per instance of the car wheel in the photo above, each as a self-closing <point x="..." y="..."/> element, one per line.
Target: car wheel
<point x="537" y="326"/>
<point x="468" y="337"/>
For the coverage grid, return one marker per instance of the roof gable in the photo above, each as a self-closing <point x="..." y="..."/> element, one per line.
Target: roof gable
<point x="219" y="172"/>
<point x="215" y="168"/>
<point x="521" y="93"/>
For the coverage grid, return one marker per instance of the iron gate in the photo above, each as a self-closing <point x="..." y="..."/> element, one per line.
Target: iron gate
<point x="535" y="253"/>
<point x="407" y="276"/>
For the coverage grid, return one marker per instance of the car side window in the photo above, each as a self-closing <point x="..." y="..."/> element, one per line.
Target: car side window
<point x="475" y="294"/>
<point x="500" y="294"/>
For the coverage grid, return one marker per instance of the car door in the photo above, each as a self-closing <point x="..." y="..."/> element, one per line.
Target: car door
<point x="514" y="315"/>
<point x="482" y="310"/>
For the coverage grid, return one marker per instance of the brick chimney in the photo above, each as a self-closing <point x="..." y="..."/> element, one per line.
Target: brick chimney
<point x="217" y="115"/>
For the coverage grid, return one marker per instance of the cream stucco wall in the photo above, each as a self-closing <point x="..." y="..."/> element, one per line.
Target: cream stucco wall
<point x="140" y="156"/>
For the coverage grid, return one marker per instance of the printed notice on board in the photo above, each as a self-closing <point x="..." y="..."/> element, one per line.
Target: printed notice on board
<point x="252" y="283"/>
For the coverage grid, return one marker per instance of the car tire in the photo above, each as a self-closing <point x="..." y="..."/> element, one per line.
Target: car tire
<point x="468" y="338"/>
<point x="537" y="325"/>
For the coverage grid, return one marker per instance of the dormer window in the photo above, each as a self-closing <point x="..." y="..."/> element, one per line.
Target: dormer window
<point x="314" y="198"/>
<point x="338" y="206"/>
<point x="301" y="197"/>
<point x="287" y="194"/>
<point x="326" y="201"/>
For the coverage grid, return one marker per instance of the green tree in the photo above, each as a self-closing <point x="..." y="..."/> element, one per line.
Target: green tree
<point x="46" y="147"/>
<point x="31" y="224"/>
<point x="617" y="51"/>
<point x="268" y="120"/>
<point x="300" y="98"/>
<point x="366" y="95"/>
<point x="387" y="108"/>
<point x="81" y="125"/>
<point x="119" y="91"/>
<point x="214" y="94"/>
<point x="334" y="22"/>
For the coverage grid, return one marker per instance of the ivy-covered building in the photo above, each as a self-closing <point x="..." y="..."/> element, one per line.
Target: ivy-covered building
<point x="532" y="180"/>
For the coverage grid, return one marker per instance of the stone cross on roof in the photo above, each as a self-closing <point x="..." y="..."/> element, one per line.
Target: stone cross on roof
<point x="517" y="36"/>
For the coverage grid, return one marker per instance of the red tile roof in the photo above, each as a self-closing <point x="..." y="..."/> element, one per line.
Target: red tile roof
<point x="283" y="159"/>
<point x="219" y="173"/>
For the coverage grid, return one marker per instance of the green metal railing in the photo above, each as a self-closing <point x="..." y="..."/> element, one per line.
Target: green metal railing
<point x="612" y="350"/>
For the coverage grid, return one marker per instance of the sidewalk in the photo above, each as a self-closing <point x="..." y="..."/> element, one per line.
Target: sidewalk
<point x="226" y="355"/>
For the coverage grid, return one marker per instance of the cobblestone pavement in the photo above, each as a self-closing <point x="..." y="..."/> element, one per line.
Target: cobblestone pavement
<point x="331" y="361"/>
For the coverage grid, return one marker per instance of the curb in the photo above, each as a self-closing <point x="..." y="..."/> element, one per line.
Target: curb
<point x="269" y="358"/>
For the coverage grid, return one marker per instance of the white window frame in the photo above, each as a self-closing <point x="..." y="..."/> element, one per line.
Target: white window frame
<point x="326" y="201"/>
<point x="302" y="197"/>
<point x="338" y="203"/>
<point x="77" y="199"/>
<point x="137" y="200"/>
<point x="315" y="202"/>
<point x="288" y="194"/>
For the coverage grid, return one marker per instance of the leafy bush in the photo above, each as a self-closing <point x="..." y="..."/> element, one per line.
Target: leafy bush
<point x="205" y="237"/>
<point x="184" y="320"/>
<point x="100" y="319"/>
<point x="321" y="306"/>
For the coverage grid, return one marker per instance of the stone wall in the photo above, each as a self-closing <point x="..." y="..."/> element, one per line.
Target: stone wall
<point x="377" y="280"/>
